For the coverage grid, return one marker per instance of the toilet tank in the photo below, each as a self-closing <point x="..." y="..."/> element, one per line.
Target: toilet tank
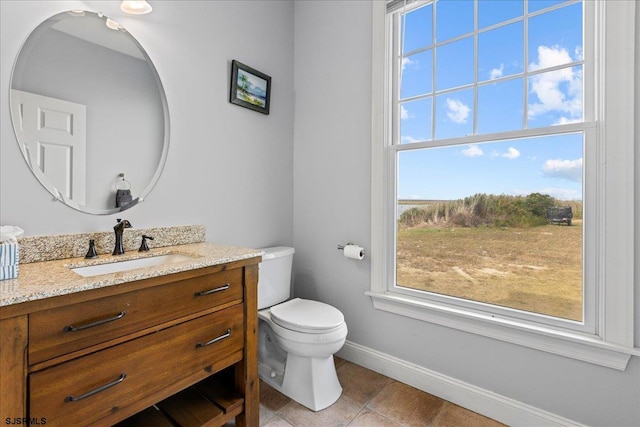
<point x="274" y="276"/>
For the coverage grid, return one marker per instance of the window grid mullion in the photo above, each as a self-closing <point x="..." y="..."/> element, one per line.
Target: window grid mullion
<point x="525" y="83"/>
<point x="523" y="76"/>
<point x="434" y="16"/>
<point x="474" y="130"/>
<point x="496" y="137"/>
<point x="396" y="78"/>
<point x="526" y="75"/>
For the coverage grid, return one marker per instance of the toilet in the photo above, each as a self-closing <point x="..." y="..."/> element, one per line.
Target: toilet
<point x="296" y="337"/>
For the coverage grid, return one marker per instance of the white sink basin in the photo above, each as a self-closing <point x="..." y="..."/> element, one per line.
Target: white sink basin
<point x="132" y="264"/>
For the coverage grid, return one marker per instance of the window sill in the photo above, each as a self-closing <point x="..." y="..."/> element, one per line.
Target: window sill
<point x="577" y="346"/>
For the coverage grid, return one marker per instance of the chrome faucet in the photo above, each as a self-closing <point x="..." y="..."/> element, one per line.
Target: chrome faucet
<point x="119" y="229"/>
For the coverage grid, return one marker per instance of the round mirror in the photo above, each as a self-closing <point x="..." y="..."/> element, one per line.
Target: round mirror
<point x="89" y="112"/>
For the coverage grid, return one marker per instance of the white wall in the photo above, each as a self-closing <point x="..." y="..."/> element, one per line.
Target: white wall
<point x="332" y="206"/>
<point x="228" y="167"/>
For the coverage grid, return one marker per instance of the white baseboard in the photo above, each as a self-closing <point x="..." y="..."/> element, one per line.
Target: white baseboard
<point x="487" y="403"/>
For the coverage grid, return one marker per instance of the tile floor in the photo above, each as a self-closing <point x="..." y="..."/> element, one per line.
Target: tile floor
<point x="368" y="400"/>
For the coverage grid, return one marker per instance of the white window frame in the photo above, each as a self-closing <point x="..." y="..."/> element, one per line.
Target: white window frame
<point x="607" y="339"/>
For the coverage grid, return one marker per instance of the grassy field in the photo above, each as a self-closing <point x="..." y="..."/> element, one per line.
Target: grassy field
<point x="535" y="269"/>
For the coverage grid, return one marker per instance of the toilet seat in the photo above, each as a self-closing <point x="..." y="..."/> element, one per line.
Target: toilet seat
<point x="306" y="316"/>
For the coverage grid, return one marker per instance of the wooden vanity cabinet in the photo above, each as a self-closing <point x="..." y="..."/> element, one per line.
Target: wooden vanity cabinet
<point x="136" y="353"/>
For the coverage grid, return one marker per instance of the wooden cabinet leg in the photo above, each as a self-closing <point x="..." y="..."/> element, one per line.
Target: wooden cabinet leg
<point x="13" y="367"/>
<point x="246" y="372"/>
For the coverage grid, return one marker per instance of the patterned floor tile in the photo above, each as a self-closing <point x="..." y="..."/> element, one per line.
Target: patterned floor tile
<point x="406" y="405"/>
<point x="339" y="414"/>
<point x="360" y="384"/>
<point x="454" y="416"/>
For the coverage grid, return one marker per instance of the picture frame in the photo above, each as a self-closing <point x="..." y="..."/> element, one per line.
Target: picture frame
<point x="250" y="88"/>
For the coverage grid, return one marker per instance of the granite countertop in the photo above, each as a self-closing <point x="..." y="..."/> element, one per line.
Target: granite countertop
<point x="39" y="280"/>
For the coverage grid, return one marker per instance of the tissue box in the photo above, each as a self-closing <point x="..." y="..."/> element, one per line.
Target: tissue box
<point x="9" y="257"/>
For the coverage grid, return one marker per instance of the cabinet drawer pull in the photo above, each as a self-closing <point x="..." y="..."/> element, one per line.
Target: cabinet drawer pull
<point x="220" y="338"/>
<point x="91" y="325"/>
<point x="96" y="390"/>
<point x="212" y="291"/>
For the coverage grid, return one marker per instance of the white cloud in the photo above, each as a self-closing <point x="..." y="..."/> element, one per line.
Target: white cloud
<point x="550" y="56"/>
<point x="406" y="61"/>
<point x="404" y="113"/>
<point x="564" y="121"/>
<point x="565" y="169"/>
<point x="511" y="153"/>
<point x="496" y="72"/>
<point x="472" y="151"/>
<point x="558" y="91"/>
<point x="457" y="111"/>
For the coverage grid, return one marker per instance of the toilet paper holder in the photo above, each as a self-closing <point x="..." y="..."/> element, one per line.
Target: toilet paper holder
<point x="352" y="251"/>
<point x="341" y="247"/>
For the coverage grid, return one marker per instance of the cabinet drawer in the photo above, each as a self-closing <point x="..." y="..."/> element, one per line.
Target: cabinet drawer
<point x="87" y="389"/>
<point x="66" y="329"/>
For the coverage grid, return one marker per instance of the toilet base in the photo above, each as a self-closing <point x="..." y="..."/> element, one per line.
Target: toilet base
<point x="310" y="381"/>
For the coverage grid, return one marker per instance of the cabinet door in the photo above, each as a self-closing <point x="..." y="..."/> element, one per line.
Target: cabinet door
<point x="119" y="381"/>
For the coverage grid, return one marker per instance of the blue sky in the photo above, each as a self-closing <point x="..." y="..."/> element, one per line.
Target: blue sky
<point x="550" y="165"/>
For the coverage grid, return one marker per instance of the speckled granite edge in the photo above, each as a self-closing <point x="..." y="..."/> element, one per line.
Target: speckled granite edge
<point x="40" y="280"/>
<point x="49" y="248"/>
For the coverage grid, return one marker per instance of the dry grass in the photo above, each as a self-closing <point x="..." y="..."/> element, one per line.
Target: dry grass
<point x="536" y="269"/>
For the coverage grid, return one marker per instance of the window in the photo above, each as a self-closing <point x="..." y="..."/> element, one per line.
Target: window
<point x="488" y="211"/>
<point x="489" y="136"/>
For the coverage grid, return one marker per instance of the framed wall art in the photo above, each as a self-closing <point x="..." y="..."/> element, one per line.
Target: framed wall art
<point x="249" y="87"/>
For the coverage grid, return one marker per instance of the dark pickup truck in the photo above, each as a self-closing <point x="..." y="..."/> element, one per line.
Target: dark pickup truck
<point x="559" y="215"/>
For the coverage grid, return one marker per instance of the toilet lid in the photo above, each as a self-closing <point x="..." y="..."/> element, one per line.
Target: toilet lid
<point x="306" y="315"/>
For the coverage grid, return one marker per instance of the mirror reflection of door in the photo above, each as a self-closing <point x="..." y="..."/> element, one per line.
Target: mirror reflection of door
<point x="52" y="133"/>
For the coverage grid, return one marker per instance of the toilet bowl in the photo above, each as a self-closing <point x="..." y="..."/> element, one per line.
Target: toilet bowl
<point x="297" y="338"/>
<point x="296" y="356"/>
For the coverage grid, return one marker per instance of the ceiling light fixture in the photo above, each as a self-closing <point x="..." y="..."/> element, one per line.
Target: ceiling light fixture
<point x="135" y="7"/>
